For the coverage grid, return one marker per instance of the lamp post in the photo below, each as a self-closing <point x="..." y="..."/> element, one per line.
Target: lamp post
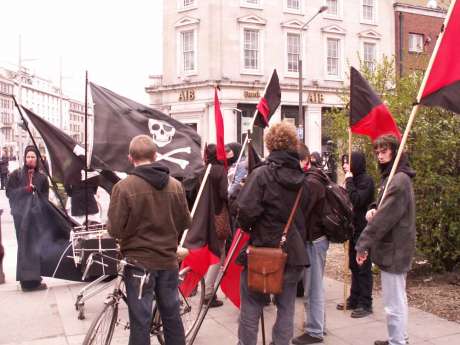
<point x="300" y="114"/>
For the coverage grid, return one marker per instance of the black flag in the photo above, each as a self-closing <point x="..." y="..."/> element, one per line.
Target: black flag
<point x="118" y="119"/>
<point x="66" y="156"/>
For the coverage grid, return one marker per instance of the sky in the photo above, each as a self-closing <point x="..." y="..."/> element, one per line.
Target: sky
<point x="119" y="42"/>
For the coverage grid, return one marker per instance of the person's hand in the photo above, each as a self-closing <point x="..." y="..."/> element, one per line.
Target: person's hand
<point x="361" y="257"/>
<point x="370" y="214"/>
<point x="348" y="174"/>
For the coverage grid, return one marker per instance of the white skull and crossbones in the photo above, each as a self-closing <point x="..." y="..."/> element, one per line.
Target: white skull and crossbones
<point x="162" y="135"/>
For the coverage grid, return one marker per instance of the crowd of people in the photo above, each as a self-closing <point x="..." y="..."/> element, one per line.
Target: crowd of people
<point x="260" y="204"/>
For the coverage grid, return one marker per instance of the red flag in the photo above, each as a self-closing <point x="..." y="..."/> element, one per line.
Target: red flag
<point x="201" y="241"/>
<point x="269" y="101"/>
<point x="368" y="115"/>
<point x="221" y="155"/>
<point x="442" y="86"/>
<point x="230" y="284"/>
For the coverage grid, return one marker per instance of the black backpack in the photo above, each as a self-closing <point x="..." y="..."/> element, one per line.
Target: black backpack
<point x="337" y="216"/>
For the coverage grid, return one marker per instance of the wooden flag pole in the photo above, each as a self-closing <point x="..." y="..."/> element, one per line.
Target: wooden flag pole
<point x="346" y="245"/>
<point x="419" y="96"/>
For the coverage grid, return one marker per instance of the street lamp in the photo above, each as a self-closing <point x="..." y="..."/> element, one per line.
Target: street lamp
<point x="300" y="115"/>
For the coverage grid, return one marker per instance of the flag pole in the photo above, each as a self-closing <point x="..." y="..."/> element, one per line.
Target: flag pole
<point x="251" y="128"/>
<point x="86" y="150"/>
<point x="53" y="183"/>
<point x="419" y="96"/>
<point x="197" y="200"/>
<point x="220" y="276"/>
<point x="346" y="244"/>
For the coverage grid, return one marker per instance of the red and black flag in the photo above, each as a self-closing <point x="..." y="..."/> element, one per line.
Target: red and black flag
<point x="269" y="102"/>
<point x="368" y="115"/>
<point x="220" y="144"/>
<point x="442" y="86"/>
<point x="201" y="240"/>
<point x="253" y="158"/>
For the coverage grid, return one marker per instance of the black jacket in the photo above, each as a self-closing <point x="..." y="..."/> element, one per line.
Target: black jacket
<point x="80" y="194"/>
<point x="266" y="200"/>
<point x="360" y="189"/>
<point x="4" y="165"/>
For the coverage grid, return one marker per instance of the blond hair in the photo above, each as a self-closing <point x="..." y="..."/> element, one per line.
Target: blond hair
<point x="282" y="136"/>
<point x="142" y="148"/>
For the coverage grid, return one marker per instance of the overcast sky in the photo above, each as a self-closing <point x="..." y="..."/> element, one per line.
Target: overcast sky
<point x="119" y="42"/>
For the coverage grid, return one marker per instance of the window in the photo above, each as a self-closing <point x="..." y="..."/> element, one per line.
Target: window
<point x="368" y="10"/>
<point x="251" y="3"/>
<point x="369" y="55"/>
<point x="416" y="43"/>
<point x="188" y="3"/>
<point x="333" y="57"/>
<point x="188" y="53"/>
<point x="332" y="7"/>
<point x="293" y="4"/>
<point x="251" y="49"/>
<point x="293" y="49"/>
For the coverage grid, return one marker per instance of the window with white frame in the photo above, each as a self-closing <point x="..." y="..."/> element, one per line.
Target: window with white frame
<point x="185" y="4"/>
<point x="188" y="3"/>
<point x="251" y="49"/>
<point x="368" y="10"/>
<point x="293" y="4"/>
<point x="252" y="2"/>
<point x="333" y="57"/>
<point x="415" y="43"/>
<point x="332" y="7"/>
<point x="293" y="49"/>
<point x="369" y="55"/>
<point x="188" y="50"/>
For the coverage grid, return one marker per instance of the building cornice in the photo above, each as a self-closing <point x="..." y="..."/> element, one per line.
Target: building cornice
<point x="420" y="10"/>
<point x="187" y="20"/>
<point x="334" y="29"/>
<point x="293" y="24"/>
<point x="372" y="34"/>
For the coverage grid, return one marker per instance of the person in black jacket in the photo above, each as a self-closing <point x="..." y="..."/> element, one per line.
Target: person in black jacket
<point x="4" y="168"/>
<point x="26" y="189"/>
<point x="219" y="181"/>
<point x="360" y="188"/>
<point x="264" y="205"/>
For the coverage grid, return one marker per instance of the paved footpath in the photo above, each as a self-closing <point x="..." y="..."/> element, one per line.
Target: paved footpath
<point x="49" y="317"/>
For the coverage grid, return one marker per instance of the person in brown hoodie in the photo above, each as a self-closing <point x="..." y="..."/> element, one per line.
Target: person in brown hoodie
<point x="148" y="213"/>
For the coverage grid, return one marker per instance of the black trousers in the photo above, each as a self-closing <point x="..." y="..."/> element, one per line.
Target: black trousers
<point x="3" y="178"/>
<point x="361" y="280"/>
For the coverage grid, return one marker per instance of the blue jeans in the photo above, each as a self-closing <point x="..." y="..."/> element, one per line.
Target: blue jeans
<point x="163" y="284"/>
<point x="314" y="288"/>
<point x="252" y="304"/>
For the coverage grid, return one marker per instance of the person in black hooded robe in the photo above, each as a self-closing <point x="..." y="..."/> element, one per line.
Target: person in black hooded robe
<point x="26" y="188"/>
<point x="360" y="189"/>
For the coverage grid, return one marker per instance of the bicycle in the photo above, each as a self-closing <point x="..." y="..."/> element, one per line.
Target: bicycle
<point x="103" y="326"/>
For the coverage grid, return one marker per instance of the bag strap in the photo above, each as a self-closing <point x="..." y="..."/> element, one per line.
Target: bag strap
<point x="291" y="217"/>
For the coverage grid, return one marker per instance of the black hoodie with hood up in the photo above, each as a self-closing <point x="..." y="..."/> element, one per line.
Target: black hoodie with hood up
<point x="265" y="203"/>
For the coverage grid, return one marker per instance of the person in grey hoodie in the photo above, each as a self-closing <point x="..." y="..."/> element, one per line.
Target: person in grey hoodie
<point x="148" y="213"/>
<point x="390" y="236"/>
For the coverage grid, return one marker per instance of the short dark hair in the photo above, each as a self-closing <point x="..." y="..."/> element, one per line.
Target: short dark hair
<point x="387" y="141"/>
<point x="142" y="148"/>
<point x="303" y="152"/>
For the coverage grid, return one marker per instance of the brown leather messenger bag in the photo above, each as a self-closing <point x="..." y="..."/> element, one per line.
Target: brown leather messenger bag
<point x="266" y="264"/>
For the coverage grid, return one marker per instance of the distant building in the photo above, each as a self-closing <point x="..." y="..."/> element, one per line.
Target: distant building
<point x="7" y="115"/>
<point x="77" y="120"/>
<point x="417" y="27"/>
<point x="236" y="44"/>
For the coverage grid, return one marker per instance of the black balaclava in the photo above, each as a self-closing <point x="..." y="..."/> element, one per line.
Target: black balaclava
<point x="236" y="149"/>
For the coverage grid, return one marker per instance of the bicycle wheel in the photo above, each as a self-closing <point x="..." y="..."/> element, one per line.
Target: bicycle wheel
<point x="191" y="306"/>
<point x="190" y="310"/>
<point x="101" y="330"/>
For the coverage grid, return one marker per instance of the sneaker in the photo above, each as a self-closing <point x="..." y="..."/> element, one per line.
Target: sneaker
<point x="350" y="306"/>
<point x="214" y="303"/>
<point x="361" y="312"/>
<point x="41" y="286"/>
<point x="306" y="339"/>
